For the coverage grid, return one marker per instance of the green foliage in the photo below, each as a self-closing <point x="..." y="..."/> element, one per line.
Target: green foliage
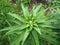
<point x="5" y="6"/>
<point x="33" y="23"/>
<point x="19" y="26"/>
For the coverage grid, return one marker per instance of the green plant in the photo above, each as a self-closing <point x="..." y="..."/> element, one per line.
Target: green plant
<point x="30" y="28"/>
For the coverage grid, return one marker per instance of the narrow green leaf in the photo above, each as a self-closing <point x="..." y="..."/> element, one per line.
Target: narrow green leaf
<point x="25" y="11"/>
<point x="48" y="26"/>
<point x="35" y="36"/>
<point x="17" y="39"/>
<point x="17" y="16"/>
<point x="25" y="36"/>
<point x="21" y="27"/>
<point x="9" y="28"/>
<point x="38" y="30"/>
<point x="49" y="32"/>
<point x="36" y="10"/>
<point x="13" y="28"/>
